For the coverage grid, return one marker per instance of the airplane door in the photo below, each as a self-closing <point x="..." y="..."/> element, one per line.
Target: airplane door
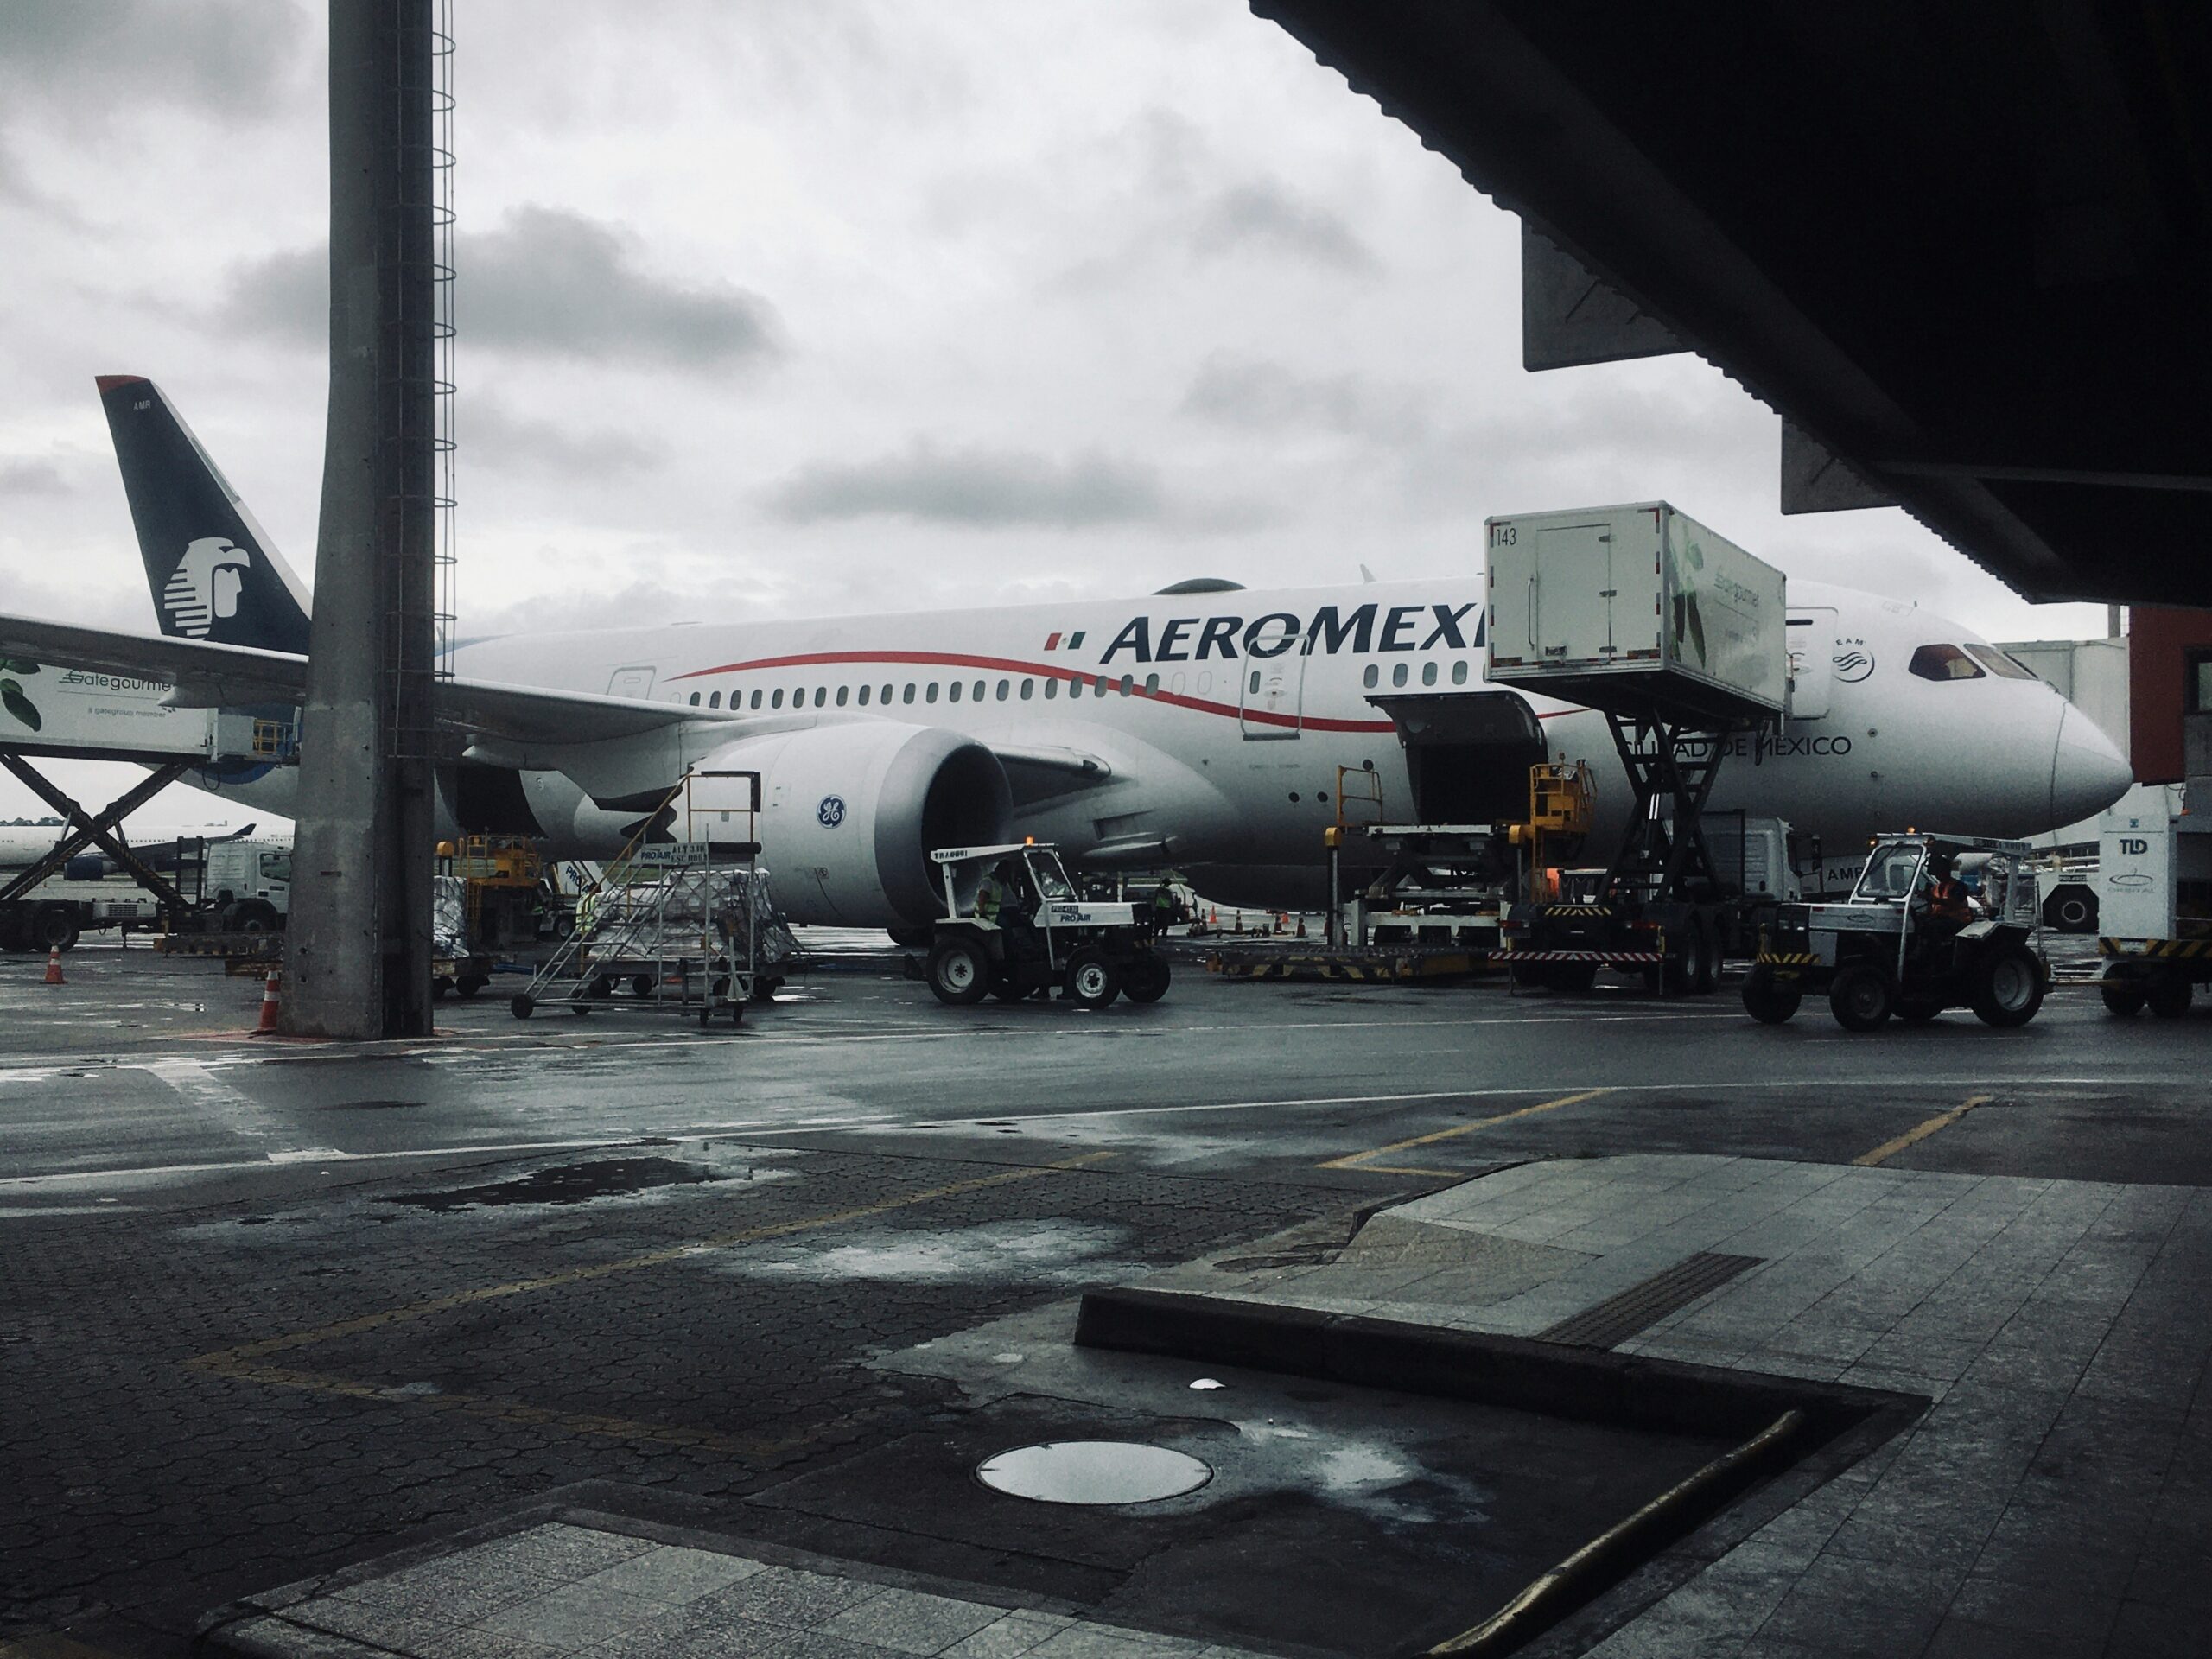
<point x="1272" y="693"/>
<point x="631" y="683"/>
<point x="1812" y="662"/>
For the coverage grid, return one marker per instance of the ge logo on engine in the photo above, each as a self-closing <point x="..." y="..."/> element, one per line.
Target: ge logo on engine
<point x="831" y="812"/>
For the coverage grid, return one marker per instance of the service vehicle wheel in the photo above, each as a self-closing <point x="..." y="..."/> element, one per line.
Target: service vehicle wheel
<point x="2170" y="998"/>
<point x="254" y="916"/>
<point x="1918" y="1013"/>
<point x="1146" y="979"/>
<point x="958" y="973"/>
<point x="1770" y="1001"/>
<point x="1574" y="978"/>
<point x="2006" y="986"/>
<point x="439" y="987"/>
<point x="1708" y="967"/>
<point x="468" y="984"/>
<point x="641" y="985"/>
<point x="523" y="1005"/>
<point x="1092" y="982"/>
<point x="53" y="927"/>
<point x="1679" y="974"/>
<point x="2123" y="997"/>
<point x="603" y="987"/>
<point x="1861" y="997"/>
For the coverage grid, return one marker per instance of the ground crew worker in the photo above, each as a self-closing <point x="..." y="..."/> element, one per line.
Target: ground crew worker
<point x="987" y="899"/>
<point x="1947" y="895"/>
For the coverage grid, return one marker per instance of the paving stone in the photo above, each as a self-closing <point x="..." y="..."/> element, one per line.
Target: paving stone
<point x="572" y="1617"/>
<point x="669" y="1573"/>
<point x="790" y="1597"/>
<point x="1014" y="1635"/>
<point x="907" y="1621"/>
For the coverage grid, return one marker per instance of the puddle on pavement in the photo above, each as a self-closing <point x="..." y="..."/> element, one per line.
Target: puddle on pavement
<point x="601" y="1177"/>
<point x="1093" y="1472"/>
<point x="370" y="1106"/>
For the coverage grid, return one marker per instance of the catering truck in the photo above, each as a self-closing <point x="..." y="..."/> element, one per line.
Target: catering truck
<point x="1681" y="639"/>
<point x="233" y="885"/>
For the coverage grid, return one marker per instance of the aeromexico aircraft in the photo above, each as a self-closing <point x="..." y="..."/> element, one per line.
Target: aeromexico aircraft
<point x="1204" y="728"/>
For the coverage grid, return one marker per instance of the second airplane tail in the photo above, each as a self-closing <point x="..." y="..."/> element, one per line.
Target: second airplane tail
<point x="210" y="567"/>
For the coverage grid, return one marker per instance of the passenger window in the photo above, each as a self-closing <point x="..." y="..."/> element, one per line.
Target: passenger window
<point x="864" y="691"/>
<point x="1944" y="662"/>
<point x="1372" y="679"/>
<point x="1398" y="675"/>
<point x="1459" y="672"/>
<point x="1006" y="686"/>
<point x="841" y="697"/>
<point x="1098" y="684"/>
<point x="2005" y="668"/>
<point x="1255" y="681"/>
<point x="1128" y="683"/>
<point x="909" y="695"/>
<point x="886" y="694"/>
<point x="1074" y="688"/>
<point x="953" y="691"/>
<point x="777" y="701"/>
<point x="1152" y="685"/>
<point x="1027" y="687"/>
<point x="928" y="692"/>
<point x="1428" y="673"/>
<point x="1052" y="688"/>
<point x="695" y="699"/>
<point x="799" y="698"/>
<point x="978" y="693"/>
<point x="756" y="699"/>
<point x="715" y="700"/>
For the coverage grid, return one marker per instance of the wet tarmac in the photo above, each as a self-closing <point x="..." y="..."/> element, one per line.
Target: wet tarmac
<point x="269" y="1307"/>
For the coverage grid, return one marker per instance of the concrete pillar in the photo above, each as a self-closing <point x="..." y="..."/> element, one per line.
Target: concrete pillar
<point x="359" y="944"/>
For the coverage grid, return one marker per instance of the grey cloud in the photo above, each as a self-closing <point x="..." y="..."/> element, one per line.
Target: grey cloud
<point x="228" y="57"/>
<point x="1266" y="216"/>
<point x="544" y="281"/>
<point x="491" y="434"/>
<point x="31" y="478"/>
<point x="1261" y="395"/>
<point x="554" y="280"/>
<point x="978" y="488"/>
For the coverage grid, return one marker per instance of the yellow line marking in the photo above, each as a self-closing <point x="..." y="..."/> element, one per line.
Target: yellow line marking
<point x="246" y="1352"/>
<point x="1359" y="1160"/>
<point x="238" y="1362"/>
<point x="1919" y="1132"/>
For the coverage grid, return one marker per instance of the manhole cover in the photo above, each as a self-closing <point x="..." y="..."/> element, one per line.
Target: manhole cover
<point x="1093" y="1472"/>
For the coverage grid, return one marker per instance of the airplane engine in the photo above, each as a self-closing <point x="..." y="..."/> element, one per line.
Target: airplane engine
<point x="850" y="814"/>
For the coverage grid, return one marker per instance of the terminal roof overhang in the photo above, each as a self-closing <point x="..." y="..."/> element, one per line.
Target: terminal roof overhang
<point x="1962" y="249"/>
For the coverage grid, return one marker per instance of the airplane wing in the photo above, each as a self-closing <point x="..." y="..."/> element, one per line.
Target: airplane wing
<point x="209" y="675"/>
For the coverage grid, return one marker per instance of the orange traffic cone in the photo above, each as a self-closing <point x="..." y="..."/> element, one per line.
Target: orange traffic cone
<point x="53" y="966"/>
<point x="268" y="1006"/>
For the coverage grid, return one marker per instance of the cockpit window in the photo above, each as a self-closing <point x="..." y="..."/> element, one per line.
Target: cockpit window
<point x="2005" y="668"/>
<point x="1944" y="662"/>
<point x="1891" y="871"/>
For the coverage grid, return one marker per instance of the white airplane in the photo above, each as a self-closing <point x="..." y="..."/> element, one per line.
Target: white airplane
<point x="1208" y="727"/>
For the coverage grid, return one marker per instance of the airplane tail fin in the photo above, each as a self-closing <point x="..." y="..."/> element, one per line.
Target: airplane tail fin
<point x="211" y="570"/>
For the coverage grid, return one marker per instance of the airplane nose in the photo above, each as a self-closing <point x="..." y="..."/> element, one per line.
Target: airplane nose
<point x="2088" y="772"/>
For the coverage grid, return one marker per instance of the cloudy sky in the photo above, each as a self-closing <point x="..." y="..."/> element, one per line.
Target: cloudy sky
<point x="770" y="310"/>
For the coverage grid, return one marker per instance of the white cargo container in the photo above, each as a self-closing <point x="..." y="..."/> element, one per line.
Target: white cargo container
<point x="1637" y="610"/>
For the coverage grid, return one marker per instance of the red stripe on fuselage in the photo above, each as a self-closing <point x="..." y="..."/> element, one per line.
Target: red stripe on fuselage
<point x="1008" y="665"/>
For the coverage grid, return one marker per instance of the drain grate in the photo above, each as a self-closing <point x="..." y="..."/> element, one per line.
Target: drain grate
<point x="1620" y="1316"/>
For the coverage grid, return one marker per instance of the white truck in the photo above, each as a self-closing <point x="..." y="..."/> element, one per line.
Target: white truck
<point x="2154" y="873"/>
<point x="232" y="887"/>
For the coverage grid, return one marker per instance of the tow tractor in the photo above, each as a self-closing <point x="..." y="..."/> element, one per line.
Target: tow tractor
<point x="1015" y="926"/>
<point x="1680" y="638"/>
<point x="1884" y="951"/>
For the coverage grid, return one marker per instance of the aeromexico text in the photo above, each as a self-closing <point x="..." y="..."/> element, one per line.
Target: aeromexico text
<point x="1363" y="628"/>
